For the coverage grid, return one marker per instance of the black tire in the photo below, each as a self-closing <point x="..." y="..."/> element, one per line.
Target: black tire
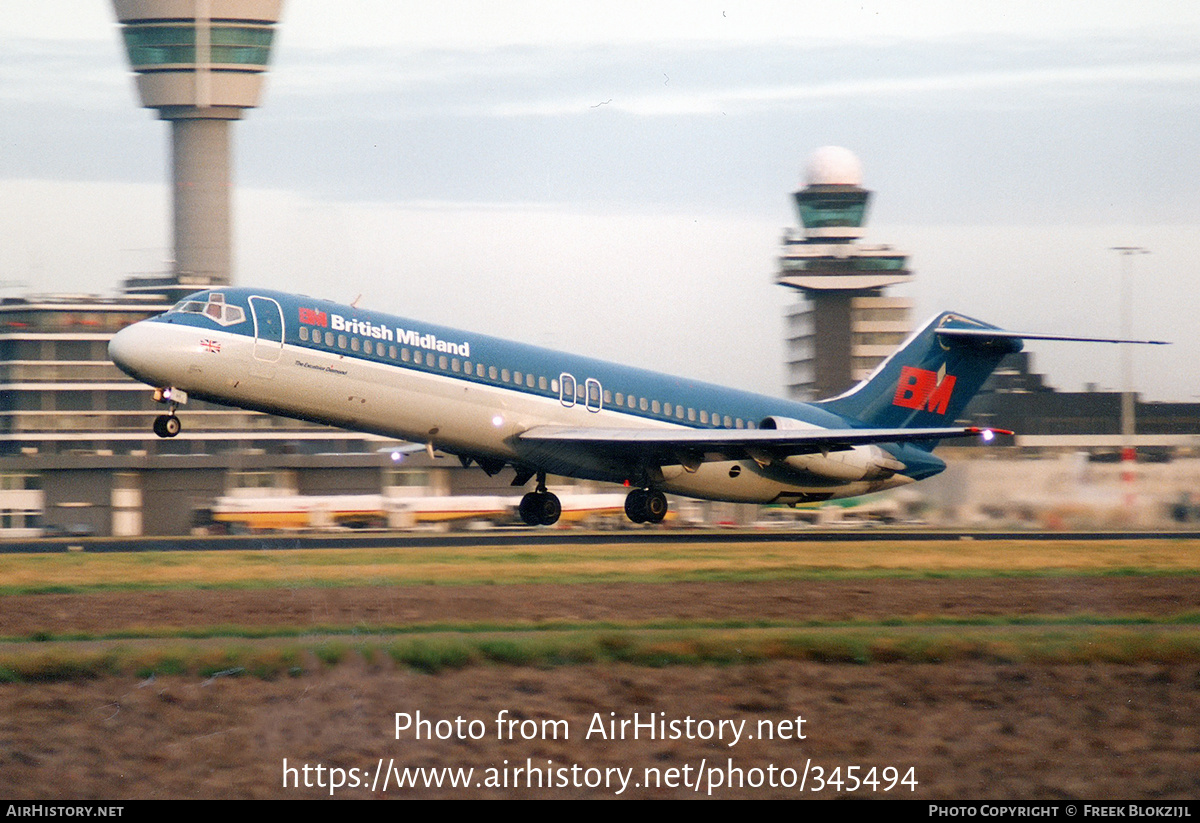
<point x="635" y="506"/>
<point x="528" y="510"/>
<point x="167" y="425"/>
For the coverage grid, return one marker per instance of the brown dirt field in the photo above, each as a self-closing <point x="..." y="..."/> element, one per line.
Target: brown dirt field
<point x="967" y="730"/>
<point x="23" y="615"/>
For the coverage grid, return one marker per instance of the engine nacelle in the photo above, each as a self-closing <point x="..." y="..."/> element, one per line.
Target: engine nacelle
<point x="855" y="463"/>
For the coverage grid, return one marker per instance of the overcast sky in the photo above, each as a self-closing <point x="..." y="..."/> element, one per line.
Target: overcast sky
<point x="614" y="178"/>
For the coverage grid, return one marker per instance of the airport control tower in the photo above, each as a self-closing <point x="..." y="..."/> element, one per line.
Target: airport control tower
<point x="842" y="325"/>
<point x="200" y="63"/>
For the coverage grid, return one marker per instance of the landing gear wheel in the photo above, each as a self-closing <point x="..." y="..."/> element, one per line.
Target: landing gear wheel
<point x="646" y="506"/>
<point x="540" y="509"/>
<point x="527" y="509"/>
<point x="635" y="506"/>
<point x="167" y="425"/>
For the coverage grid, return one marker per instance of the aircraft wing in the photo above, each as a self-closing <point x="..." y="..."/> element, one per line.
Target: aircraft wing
<point x="668" y="446"/>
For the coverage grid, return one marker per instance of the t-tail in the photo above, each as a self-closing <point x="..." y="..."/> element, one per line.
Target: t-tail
<point x="930" y="379"/>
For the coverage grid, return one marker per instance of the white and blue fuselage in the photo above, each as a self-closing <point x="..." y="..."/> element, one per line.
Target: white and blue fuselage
<point x="499" y="402"/>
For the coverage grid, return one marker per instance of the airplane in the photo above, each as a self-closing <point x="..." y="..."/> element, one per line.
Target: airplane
<point x="499" y="403"/>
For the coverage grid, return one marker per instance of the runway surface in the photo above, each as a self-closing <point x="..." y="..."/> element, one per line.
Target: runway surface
<point x="546" y="537"/>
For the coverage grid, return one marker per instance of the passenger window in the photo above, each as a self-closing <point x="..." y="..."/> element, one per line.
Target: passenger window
<point x="354" y="343"/>
<point x="405" y="355"/>
<point x="443" y="362"/>
<point x="304" y="332"/>
<point x="703" y="416"/>
<point x="341" y="341"/>
<point x="329" y="339"/>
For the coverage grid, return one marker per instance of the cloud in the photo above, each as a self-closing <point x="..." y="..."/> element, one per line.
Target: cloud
<point x="672" y="80"/>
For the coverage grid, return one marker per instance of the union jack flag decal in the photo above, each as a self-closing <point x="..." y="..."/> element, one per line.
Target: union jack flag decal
<point x="210" y="346"/>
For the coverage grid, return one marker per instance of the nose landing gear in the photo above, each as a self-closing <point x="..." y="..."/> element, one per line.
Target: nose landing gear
<point x="168" y="425"/>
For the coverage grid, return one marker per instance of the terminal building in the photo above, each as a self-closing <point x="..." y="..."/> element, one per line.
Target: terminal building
<point x="1049" y="420"/>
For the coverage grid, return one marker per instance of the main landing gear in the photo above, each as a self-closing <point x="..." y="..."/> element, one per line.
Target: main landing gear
<point x="540" y="507"/>
<point x="646" y="506"/>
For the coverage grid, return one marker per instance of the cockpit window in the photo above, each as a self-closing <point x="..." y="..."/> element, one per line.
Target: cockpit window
<point x="214" y="308"/>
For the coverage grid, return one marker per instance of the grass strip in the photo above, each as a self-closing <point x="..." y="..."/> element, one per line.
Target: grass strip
<point x="80" y="572"/>
<point x="362" y="630"/>
<point x="432" y="654"/>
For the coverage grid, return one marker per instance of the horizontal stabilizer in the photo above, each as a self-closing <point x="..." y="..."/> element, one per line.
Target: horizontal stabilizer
<point x="999" y="334"/>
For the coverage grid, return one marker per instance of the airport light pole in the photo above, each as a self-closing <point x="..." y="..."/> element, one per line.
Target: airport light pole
<point x="1128" y="422"/>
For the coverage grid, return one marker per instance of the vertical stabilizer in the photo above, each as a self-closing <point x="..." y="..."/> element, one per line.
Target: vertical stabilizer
<point x="930" y="379"/>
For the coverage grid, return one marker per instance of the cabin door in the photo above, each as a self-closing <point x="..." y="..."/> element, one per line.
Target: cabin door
<point x="593" y="395"/>
<point x="268" y="336"/>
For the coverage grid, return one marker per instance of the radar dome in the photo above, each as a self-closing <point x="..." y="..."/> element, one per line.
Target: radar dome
<point x="833" y="166"/>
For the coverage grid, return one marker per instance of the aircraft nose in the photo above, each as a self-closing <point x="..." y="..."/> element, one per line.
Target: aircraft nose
<point x="132" y="352"/>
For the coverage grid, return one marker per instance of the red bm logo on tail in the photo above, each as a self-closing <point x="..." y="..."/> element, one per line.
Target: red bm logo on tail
<point x="924" y="389"/>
